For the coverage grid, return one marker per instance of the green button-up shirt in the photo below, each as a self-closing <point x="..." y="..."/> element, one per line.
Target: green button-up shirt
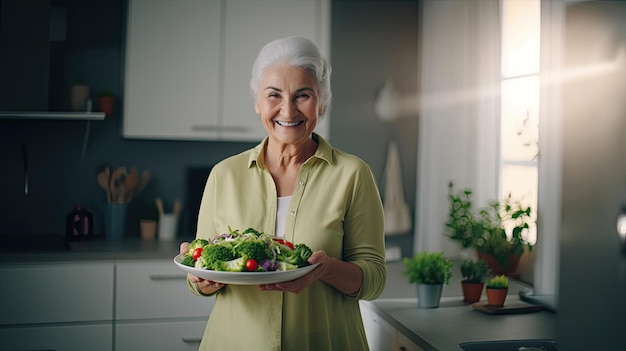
<point x="335" y="207"/>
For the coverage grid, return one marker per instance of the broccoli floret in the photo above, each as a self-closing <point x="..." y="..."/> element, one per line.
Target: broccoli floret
<point x="188" y="261"/>
<point x="252" y="231"/>
<point x="236" y="265"/>
<point x="213" y="255"/>
<point x="304" y="252"/>
<point x="196" y="243"/>
<point x="288" y="256"/>
<point x="256" y="249"/>
<point x="297" y="257"/>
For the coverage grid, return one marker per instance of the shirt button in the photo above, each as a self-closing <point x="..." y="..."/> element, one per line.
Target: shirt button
<point x="301" y="182"/>
<point x="292" y="211"/>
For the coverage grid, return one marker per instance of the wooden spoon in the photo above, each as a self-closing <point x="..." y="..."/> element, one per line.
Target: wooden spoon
<point x="177" y="208"/>
<point x="103" y="180"/>
<point x="159" y="205"/>
<point x="143" y="180"/>
<point x="130" y="184"/>
<point x="117" y="179"/>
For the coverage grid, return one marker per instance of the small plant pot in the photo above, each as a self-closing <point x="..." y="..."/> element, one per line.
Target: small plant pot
<point x="429" y="295"/>
<point x="105" y="104"/>
<point x="510" y="269"/>
<point x="496" y="297"/>
<point x="472" y="291"/>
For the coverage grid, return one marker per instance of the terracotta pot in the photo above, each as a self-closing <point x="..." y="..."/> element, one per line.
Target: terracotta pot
<point x="105" y="104"/>
<point x="497" y="269"/>
<point x="496" y="297"/>
<point x="472" y="291"/>
<point x="148" y="229"/>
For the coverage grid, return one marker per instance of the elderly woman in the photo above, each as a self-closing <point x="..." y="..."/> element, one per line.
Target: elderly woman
<point x="294" y="184"/>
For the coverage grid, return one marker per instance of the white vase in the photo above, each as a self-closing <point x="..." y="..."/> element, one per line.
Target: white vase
<point x="429" y="295"/>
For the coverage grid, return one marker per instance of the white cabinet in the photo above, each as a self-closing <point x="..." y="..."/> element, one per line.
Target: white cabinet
<point x="57" y="338"/>
<point x="61" y="307"/>
<point x="403" y="343"/>
<point x="249" y="25"/>
<point x="381" y="335"/>
<point x="188" y="64"/>
<point x="155" y="336"/>
<point x="171" y="88"/>
<point x="155" y="309"/>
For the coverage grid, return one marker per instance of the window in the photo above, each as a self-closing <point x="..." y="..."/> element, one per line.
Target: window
<point x="519" y="110"/>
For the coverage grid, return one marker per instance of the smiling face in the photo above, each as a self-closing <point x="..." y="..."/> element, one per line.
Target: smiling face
<point x="288" y="104"/>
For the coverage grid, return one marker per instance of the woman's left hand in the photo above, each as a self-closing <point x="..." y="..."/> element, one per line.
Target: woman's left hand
<point x="298" y="285"/>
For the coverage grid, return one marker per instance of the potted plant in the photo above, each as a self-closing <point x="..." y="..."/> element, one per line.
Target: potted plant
<point x="497" y="232"/>
<point x="474" y="273"/>
<point x="497" y="289"/>
<point x="429" y="270"/>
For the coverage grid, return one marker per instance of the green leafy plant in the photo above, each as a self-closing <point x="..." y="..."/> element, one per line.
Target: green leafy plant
<point x="498" y="230"/>
<point x="474" y="271"/>
<point x="428" y="268"/>
<point x="498" y="282"/>
<point x="462" y="224"/>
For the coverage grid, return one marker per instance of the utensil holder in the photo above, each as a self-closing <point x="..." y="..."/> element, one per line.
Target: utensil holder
<point x="168" y="223"/>
<point x="115" y="220"/>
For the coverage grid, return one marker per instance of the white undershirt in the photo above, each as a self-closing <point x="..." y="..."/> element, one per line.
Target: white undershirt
<point x="281" y="215"/>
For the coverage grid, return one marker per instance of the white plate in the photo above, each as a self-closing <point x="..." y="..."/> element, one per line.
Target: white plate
<point x="244" y="278"/>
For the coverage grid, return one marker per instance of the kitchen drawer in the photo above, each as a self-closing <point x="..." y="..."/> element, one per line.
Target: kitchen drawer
<point x="58" y="338"/>
<point x="56" y="293"/>
<point x="159" y="336"/>
<point x="156" y="289"/>
<point x="406" y="344"/>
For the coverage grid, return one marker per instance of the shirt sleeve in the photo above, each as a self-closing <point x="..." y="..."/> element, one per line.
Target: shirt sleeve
<point x="364" y="242"/>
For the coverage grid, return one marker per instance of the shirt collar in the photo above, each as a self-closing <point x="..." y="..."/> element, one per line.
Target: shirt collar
<point x="324" y="152"/>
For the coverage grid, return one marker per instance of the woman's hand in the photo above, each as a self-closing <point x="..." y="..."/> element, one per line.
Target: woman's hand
<point x="298" y="285"/>
<point x="205" y="286"/>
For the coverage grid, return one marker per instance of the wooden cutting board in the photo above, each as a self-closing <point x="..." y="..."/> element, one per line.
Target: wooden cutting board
<point x="508" y="308"/>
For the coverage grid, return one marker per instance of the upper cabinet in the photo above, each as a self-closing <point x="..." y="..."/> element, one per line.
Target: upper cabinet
<point x="188" y="64"/>
<point x="172" y="69"/>
<point x="47" y="47"/>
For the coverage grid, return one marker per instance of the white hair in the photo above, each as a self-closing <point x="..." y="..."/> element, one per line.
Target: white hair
<point x="298" y="52"/>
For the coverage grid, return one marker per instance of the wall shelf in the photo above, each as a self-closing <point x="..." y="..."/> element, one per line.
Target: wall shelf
<point x="75" y="116"/>
<point x="88" y="116"/>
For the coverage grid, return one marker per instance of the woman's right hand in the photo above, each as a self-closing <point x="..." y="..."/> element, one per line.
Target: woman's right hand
<point x="205" y="286"/>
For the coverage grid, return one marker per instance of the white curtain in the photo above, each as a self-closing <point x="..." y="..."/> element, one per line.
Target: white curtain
<point x="459" y="109"/>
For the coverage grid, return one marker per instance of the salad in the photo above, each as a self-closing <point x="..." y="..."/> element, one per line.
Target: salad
<point x="248" y="251"/>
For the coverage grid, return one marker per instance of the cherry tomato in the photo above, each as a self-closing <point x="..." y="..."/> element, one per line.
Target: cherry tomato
<point x="289" y="244"/>
<point x="197" y="252"/>
<point x="251" y="265"/>
<point x="279" y="240"/>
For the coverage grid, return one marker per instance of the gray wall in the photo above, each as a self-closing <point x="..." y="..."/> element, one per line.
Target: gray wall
<point x="371" y="41"/>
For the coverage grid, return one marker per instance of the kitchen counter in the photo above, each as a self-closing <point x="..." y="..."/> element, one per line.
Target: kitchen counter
<point x="454" y="321"/>
<point x="91" y="250"/>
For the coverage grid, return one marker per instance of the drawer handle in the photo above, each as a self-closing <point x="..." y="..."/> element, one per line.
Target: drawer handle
<point x="192" y="340"/>
<point x="167" y="277"/>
